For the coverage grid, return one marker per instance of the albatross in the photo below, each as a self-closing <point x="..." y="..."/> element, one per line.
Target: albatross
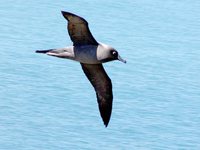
<point x="91" y="54"/>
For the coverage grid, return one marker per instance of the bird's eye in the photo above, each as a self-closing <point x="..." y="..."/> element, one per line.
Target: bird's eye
<point x="114" y="53"/>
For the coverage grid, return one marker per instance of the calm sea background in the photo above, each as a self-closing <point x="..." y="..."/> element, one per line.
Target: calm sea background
<point x="47" y="103"/>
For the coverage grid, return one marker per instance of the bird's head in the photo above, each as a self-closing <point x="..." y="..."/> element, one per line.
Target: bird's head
<point x="108" y="53"/>
<point x="115" y="55"/>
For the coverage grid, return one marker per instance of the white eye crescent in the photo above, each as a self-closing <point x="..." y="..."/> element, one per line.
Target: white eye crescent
<point x="114" y="53"/>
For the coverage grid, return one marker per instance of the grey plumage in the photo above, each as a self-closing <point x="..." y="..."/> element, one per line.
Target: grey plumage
<point x="91" y="55"/>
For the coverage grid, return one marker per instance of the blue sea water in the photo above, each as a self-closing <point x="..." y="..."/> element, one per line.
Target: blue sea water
<point x="47" y="103"/>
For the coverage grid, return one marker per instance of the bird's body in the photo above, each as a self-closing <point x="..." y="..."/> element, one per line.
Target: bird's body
<point x="88" y="54"/>
<point x="91" y="55"/>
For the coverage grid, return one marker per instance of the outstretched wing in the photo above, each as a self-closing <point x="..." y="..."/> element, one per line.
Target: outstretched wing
<point x="103" y="87"/>
<point x="78" y="30"/>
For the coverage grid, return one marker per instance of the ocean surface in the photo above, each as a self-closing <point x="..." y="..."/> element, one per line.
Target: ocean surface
<point x="47" y="103"/>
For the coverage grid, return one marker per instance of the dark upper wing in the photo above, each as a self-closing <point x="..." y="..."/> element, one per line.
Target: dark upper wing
<point x="103" y="87"/>
<point x="78" y="30"/>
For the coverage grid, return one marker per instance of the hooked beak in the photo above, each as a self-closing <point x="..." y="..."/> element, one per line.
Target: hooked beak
<point x="120" y="59"/>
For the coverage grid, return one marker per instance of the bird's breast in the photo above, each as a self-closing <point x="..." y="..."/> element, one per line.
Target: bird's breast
<point x="86" y="54"/>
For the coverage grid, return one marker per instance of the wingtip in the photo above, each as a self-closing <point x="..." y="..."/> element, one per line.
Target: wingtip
<point x="105" y="112"/>
<point x="65" y="14"/>
<point x="106" y="125"/>
<point x="106" y="122"/>
<point x="62" y="12"/>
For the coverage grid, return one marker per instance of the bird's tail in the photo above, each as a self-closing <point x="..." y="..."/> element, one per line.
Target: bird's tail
<point x="43" y="51"/>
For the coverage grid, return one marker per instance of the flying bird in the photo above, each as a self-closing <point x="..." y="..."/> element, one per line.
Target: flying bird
<point x="91" y="54"/>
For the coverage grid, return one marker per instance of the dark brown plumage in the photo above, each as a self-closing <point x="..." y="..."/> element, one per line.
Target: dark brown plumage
<point x="103" y="87"/>
<point x="91" y="55"/>
<point x="78" y="30"/>
<point x="80" y="35"/>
